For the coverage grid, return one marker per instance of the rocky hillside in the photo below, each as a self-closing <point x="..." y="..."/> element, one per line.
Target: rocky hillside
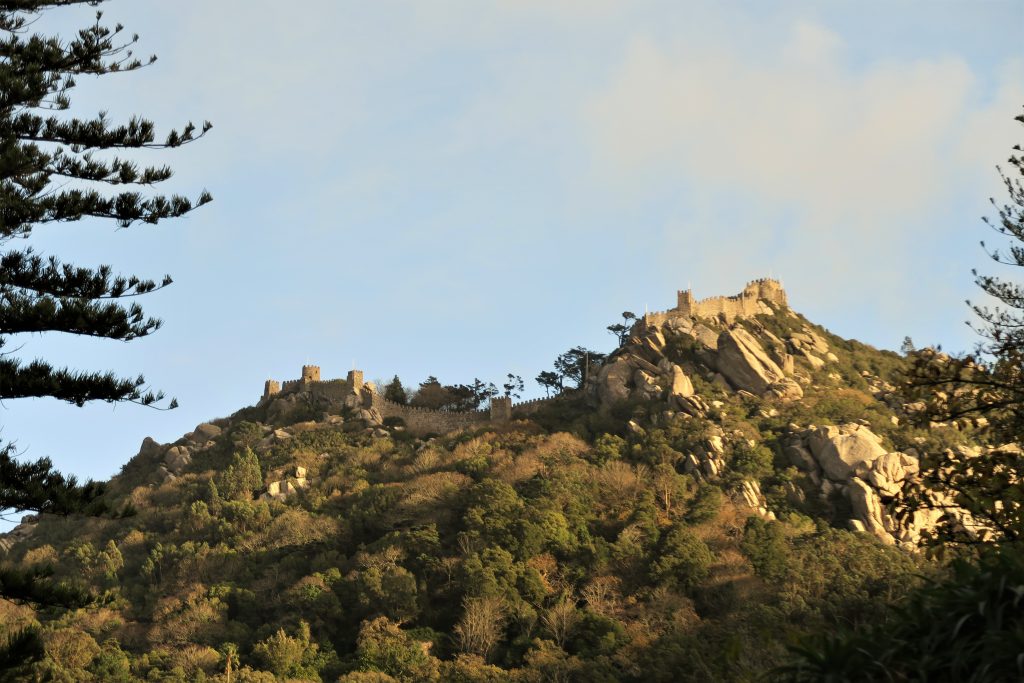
<point x="786" y="366"/>
<point x="719" y="488"/>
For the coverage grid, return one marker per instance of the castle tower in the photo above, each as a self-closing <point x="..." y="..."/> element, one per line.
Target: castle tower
<point x="355" y="381"/>
<point x="310" y="373"/>
<point x="768" y="289"/>
<point x="271" y="387"/>
<point x="684" y="301"/>
<point x="501" y="409"/>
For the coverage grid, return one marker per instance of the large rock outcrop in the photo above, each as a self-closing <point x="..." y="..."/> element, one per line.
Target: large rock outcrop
<point x="841" y="451"/>
<point x="890" y="471"/>
<point x="746" y="366"/>
<point x="680" y="385"/>
<point x="613" y="382"/>
<point x="640" y="370"/>
<point x="743" y="362"/>
<point x="852" y="461"/>
<point x="867" y="509"/>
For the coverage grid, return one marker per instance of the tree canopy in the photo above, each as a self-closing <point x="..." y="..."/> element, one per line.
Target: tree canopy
<point x="966" y="625"/>
<point x="57" y="167"/>
<point x="985" y="387"/>
<point x="53" y="170"/>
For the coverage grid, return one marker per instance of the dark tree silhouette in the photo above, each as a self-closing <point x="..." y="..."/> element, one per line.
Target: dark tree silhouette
<point x="394" y="391"/>
<point x="513" y="386"/>
<point x="453" y="397"/>
<point x="621" y="330"/>
<point x="58" y="168"/>
<point x="551" y="381"/>
<point x="969" y="625"/>
<point x="577" y="364"/>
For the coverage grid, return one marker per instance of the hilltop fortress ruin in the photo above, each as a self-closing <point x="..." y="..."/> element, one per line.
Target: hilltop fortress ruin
<point x="751" y="301"/>
<point x="759" y="296"/>
<point x="354" y="392"/>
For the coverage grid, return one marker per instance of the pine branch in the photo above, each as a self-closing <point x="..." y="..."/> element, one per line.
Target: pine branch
<point x="26" y="312"/>
<point x="39" y="379"/>
<point x="30" y="271"/>
<point x="19" y="213"/>
<point x="49" y="167"/>
<point x="96" y="133"/>
<point x="17" y="649"/>
<point x="38" y="487"/>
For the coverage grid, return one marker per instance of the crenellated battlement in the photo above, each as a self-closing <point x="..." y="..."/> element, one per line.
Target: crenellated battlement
<point x="750" y="302"/>
<point x="533" y="401"/>
<point x="309" y="380"/>
<point x="271" y="387"/>
<point x="417" y="419"/>
<point x="310" y="373"/>
<point x="501" y="408"/>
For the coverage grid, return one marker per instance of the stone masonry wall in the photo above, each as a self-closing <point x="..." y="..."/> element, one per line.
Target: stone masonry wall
<point x="427" y="421"/>
<point x="743" y="305"/>
<point x="334" y="389"/>
<point x="417" y="420"/>
<point x="532" y="406"/>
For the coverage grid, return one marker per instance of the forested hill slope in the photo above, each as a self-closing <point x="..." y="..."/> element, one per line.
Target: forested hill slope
<point x="718" y="489"/>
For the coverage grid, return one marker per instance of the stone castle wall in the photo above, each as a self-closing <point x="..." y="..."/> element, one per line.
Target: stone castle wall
<point x="417" y="420"/>
<point x="658" y="318"/>
<point x="743" y="305"/>
<point x="335" y="389"/>
<point x="271" y="387"/>
<point x="532" y="406"/>
<point x="426" y="421"/>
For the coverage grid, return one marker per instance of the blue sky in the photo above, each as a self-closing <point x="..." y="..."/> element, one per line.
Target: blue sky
<point x="466" y="189"/>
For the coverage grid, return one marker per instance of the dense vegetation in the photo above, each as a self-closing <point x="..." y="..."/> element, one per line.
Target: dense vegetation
<point x="56" y="167"/>
<point x="580" y="544"/>
<point x="570" y="547"/>
<point x="968" y="626"/>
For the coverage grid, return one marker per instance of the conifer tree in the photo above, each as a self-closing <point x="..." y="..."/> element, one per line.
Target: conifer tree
<point x="577" y="364"/>
<point x="513" y="386"/>
<point x="967" y="626"/>
<point x="985" y="387"/>
<point x="394" y="391"/>
<point x="57" y="168"/>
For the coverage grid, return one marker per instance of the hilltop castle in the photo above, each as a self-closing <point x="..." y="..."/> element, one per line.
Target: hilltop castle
<point x="759" y="296"/>
<point x="356" y="393"/>
<point x="310" y="379"/>
<point x="750" y="302"/>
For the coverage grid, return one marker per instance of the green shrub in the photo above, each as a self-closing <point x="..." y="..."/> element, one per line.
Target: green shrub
<point x="753" y="461"/>
<point x="766" y="546"/>
<point x="969" y="627"/>
<point x="683" y="560"/>
<point x="705" y="504"/>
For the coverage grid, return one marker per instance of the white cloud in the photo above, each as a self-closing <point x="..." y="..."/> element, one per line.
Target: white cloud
<point x="830" y="172"/>
<point x="989" y="129"/>
<point x="704" y="130"/>
<point x="812" y="44"/>
<point x="798" y="131"/>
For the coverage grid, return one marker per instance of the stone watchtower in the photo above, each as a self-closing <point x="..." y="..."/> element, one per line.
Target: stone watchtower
<point x="310" y="373"/>
<point x="355" y="381"/>
<point x="501" y="409"/>
<point x="271" y="387"/>
<point x="768" y="289"/>
<point x="684" y="301"/>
